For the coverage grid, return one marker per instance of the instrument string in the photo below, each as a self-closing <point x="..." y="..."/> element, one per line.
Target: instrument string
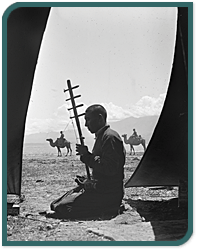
<point x="74" y="129"/>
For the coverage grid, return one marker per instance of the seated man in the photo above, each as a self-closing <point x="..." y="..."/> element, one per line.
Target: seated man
<point x="62" y="135"/>
<point x="134" y="133"/>
<point x="61" y="139"/>
<point x="102" y="194"/>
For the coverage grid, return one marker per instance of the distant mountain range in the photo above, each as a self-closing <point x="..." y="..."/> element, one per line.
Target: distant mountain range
<point x="143" y="125"/>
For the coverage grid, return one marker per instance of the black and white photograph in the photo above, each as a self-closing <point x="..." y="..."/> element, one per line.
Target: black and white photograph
<point x="97" y="120"/>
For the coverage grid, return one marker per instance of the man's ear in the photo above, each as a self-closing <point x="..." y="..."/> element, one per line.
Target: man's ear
<point x="101" y="118"/>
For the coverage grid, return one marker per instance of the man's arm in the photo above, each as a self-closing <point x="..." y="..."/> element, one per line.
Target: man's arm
<point x="108" y="162"/>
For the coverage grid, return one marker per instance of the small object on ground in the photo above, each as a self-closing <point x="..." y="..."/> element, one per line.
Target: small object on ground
<point x="162" y="188"/>
<point x="43" y="212"/>
<point x="28" y="214"/>
<point x="13" y="209"/>
<point x="39" y="180"/>
<point x="169" y="187"/>
<point x="47" y="213"/>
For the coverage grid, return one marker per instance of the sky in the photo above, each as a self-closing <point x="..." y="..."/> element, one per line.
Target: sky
<point x="120" y="57"/>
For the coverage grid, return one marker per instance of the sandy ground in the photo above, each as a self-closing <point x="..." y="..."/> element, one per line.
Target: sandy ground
<point x="152" y="213"/>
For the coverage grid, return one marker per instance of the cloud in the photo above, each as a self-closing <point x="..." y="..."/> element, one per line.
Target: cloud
<point x="36" y="125"/>
<point x="62" y="111"/>
<point x="148" y="106"/>
<point x="60" y="120"/>
<point x="115" y="113"/>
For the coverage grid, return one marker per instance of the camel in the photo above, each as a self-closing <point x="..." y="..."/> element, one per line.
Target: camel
<point x="134" y="141"/>
<point x="60" y="143"/>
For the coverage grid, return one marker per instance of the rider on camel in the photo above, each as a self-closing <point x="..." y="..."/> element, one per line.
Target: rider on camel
<point x="62" y="135"/>
<point x="61" y="139"/>
<point x="134" y="133"/>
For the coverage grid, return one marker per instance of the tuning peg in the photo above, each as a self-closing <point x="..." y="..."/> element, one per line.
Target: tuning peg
<point x="77" y="96"/>
<point x="76" y="107"/>
<point x="65" y="90"/>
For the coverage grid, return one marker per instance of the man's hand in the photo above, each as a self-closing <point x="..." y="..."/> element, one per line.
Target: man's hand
<point x="89" y="184"/>
<point x="81" y="149"/>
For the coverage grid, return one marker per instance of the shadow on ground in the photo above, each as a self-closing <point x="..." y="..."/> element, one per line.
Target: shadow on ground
<point x="168" y="220"/>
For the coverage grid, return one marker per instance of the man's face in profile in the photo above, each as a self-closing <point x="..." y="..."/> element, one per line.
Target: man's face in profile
<point x="92" y="122"/>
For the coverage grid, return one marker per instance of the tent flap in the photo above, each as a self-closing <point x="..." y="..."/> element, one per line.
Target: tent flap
<point x="25" y="28"/>
<point x="165" y="161"/>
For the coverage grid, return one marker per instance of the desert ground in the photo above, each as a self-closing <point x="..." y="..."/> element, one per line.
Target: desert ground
<point x="152" y="214"/>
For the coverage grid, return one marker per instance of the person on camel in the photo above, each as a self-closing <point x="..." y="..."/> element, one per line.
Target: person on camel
<point x="103" y="193"/>
<point x="61" y="139"/>
<point x="134" y="133"/>
<point x="62" y="135"/>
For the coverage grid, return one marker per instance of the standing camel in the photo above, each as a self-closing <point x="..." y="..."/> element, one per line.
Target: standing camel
<point x="60" y="143"/>
<point x="134" y="141"/>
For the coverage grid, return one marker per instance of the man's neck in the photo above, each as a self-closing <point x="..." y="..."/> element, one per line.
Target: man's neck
<point x="98" y="132"/>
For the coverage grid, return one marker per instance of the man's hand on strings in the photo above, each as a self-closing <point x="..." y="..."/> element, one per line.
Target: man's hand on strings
<point x="89" y="184"/>
<point x="81" y="149"/>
